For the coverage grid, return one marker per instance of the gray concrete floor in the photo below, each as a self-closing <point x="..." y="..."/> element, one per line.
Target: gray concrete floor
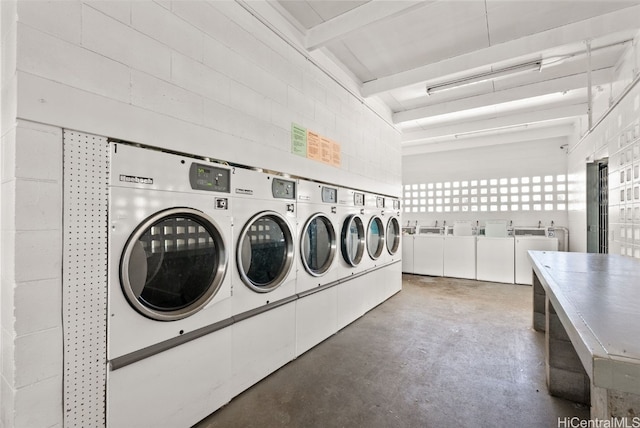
<point x="441" y="353"/>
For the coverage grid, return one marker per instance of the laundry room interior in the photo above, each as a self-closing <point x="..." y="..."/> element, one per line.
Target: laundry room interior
<point x="319" y="213"/>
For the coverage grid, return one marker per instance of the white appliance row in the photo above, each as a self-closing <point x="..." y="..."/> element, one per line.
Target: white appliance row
<point x="219" y="275"/>
<point x="486" y="258"/>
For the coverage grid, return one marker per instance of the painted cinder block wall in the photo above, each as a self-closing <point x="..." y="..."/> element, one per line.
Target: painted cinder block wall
<point x="195" y="77"/>
<point x="602" y="143"/>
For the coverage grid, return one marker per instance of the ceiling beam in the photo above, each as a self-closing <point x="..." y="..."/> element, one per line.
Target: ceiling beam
<point x="561" y="133"/>
<point x="355" y="19"/>
<point x="548" y="116"/>
<point x="562" y="84"/>
<point x="618" y="21"/>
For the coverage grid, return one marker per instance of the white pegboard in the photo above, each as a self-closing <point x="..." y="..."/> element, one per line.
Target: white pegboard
<point x="86" y="170"/>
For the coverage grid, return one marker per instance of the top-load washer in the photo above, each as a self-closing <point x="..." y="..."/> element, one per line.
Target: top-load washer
<point x="169" y="245"/>
<point x="352" y="228"/>
<point x="318" y="235"/>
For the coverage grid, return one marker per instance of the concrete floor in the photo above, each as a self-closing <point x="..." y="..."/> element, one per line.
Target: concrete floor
<point x="441" y="353"/>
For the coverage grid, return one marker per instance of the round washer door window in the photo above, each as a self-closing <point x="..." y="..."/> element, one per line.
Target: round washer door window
<point x="393" y="235"/>
<point x="265" y="251"/>
<point x="375" y="237"/>
<point x="318" y="244"/>
<point x="352" y="240"/>
<point x="173" y="264"/>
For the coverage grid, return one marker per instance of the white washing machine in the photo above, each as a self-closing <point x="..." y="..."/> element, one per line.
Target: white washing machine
<point x="495" y="259"/>
<point x="169" y="245"/>
<point x="536" y="239"/>
<point x="318" y="231"/>
<point x="264" y="237"/>
<point x="495" y="253"/>
<point x="460" y="251"/>
<point x="353" y="258"/>
<point x="428" y="247"/>
<point x="375" y="231"/>
<point x="392" y="230"/>
<point x="169" y="288"/>
<point x="317" y="262"/>
<point x="407" y="253"/>
<point x="263" y="275"/>
<point x="352" y="228"/>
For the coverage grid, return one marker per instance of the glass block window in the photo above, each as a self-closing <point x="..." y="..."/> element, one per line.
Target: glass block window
<point x="496" y="194"/>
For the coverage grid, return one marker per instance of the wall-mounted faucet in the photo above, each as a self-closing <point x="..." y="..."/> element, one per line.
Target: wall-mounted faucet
<point x="539" y="224"/>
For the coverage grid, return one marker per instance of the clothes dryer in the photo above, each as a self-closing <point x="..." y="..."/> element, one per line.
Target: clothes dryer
<point x="264" y="215"/>
<point x="392" y="230"/>
<point x="169" y="242"/>
<point x="352" y="228"/>
<point x="263" y="275"/>
<point x="316" y="308"/>
<point x="351" y="291"/>
<point x="375" y="232"/>
<point x="318" y="235"/>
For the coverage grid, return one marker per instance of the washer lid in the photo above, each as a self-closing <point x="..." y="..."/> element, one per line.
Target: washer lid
<point x="318" y="244"/>
<point x="265" y="251"/>
<point x="173" y="264"/>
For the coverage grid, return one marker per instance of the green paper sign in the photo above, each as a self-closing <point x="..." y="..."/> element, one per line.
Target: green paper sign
<point x="298" y="140"/>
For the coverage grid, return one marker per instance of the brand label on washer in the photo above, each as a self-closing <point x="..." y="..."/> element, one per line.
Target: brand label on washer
<point x="134" y="179"/>
<point x="244" y="191"/>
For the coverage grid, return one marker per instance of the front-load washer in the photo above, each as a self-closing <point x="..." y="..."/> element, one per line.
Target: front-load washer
<point x="352" y="228"/>
<point x="353" y="260"/>
<point x="263" y="275"/>
<point x="169" y="244"/>
<point x="375" y="231"/>
<point x="264" y="236"/>
<point x="318" y="235"/>
<point x="392" y="230"/>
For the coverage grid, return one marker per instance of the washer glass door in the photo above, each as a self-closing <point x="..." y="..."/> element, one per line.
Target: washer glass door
<point x="265" y="251"/>
<point x="352" y="240"/>
<point x="393" y="235"/>
<point x="318" y="244"/>
<point x="375" y="237"/>
<point x="173" y="264"/>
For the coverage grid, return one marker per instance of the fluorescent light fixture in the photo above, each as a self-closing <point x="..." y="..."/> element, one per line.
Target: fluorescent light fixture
<point x="486" y="76"/>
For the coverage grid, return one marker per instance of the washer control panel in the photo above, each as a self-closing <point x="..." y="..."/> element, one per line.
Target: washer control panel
<point x="283" y="189"/>
<point x="211" y="178"/>
<point x="358" y="199"/>
<point x="329" y="195"/>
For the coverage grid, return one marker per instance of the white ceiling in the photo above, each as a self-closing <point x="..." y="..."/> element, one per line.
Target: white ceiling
<point x="396" y="49"/>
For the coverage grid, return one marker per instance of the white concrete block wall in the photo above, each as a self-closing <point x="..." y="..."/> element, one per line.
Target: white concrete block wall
<point x="526" y="159"/>
<point x="601" y="143"/>
<point x="201" y="77"/>
<point x="31" y="276"/>
<point x="203" y="57"/>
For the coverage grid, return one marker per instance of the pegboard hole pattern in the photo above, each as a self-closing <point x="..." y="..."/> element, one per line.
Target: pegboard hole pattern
<point x="86" y="173"/>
